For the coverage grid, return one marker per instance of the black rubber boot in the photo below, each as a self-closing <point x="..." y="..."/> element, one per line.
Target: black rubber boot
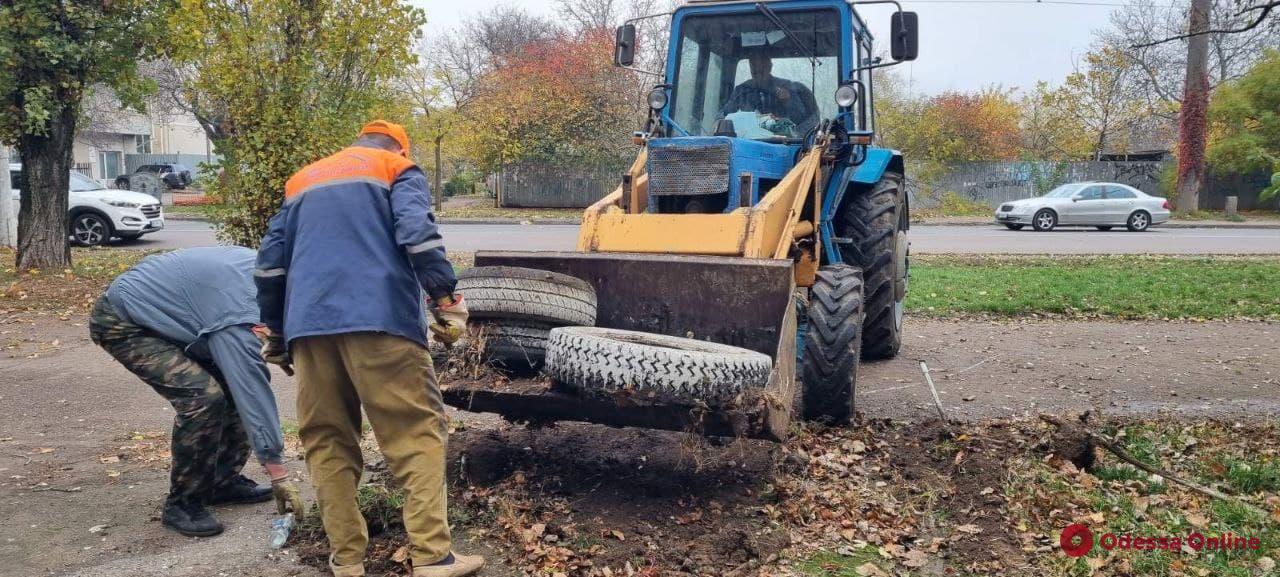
<point x="241" y="490"/>
<point x="190" y="519"/>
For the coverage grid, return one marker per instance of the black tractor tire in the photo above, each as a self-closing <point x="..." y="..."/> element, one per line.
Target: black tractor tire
<point x="876" y="221"/>
<point x="527" y="295"/>
<point x="515" y="345"/>
<point x="1139" y="221"/>
<point x="833" y="339"/>
<point x="1044" y="220"/>
<point x="1012" y="226"/>
<point x="605" y="362"/>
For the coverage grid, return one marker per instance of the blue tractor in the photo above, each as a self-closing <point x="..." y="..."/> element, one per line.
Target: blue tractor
<point x="758" y="214"/>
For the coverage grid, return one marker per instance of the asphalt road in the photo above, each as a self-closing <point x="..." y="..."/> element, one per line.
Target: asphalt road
<point x="925" y="239"/>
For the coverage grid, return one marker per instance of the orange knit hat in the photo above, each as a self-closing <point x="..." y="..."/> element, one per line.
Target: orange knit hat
<point x="395" y="131"/>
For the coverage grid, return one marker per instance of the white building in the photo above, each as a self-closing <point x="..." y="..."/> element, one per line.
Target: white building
<point x="110" y="134"/>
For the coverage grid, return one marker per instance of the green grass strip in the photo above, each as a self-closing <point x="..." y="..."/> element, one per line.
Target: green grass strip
<point x="1124" y="287"/>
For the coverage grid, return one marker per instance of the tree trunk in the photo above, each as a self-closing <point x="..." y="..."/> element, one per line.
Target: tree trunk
<point x="439" y="190"/>
<point x="46" y="169"/>
<point x="1193" y="117"/>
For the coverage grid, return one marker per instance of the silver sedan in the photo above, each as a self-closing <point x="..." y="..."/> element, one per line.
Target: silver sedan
<point x="1102" y="205"/>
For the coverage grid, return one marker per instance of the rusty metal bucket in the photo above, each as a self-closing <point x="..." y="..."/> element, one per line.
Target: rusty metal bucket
<point x="734" y="301"/>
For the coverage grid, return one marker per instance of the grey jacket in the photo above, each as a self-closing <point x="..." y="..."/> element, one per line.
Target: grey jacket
<point x="204" y="299"/>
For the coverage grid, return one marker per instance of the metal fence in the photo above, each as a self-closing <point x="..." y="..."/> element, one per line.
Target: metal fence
<point x="192" y="161"/>
<point x="544" y="186"/>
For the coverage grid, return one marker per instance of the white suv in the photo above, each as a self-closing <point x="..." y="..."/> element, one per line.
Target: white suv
<point x="97" y="213"/>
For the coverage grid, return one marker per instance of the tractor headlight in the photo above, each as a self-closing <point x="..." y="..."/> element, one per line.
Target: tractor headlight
<point x="658" y="98"/>
<point x="846" y="95"/>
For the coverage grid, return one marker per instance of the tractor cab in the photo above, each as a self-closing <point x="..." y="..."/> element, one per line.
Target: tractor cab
<point x="746" y="86"/>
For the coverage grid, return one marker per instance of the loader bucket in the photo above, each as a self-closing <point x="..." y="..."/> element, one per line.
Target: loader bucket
<point x="734" y="301"/>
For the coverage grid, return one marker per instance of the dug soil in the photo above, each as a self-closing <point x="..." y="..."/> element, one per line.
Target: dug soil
<point x="83" y="446"/>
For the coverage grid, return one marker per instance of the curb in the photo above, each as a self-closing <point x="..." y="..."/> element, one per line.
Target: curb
<point x="524" y="221"/>
<point x="1193" y="224"/>
<point x="567" y="221"/>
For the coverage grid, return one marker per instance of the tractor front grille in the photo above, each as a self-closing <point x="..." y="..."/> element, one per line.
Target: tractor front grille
<point x="689" y="170"/>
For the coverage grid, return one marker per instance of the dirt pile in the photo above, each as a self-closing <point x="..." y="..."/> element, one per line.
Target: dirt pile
<point x="886" y="498"/>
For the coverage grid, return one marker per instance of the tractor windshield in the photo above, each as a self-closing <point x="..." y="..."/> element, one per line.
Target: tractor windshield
<point x="749" y="70"/>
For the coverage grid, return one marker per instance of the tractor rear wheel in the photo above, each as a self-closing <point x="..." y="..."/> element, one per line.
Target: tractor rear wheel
<point x="832" y="344"/>
<point x="876" y="221"/>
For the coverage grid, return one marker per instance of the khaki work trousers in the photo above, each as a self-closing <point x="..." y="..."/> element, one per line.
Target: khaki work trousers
<point x="394" y="380"/>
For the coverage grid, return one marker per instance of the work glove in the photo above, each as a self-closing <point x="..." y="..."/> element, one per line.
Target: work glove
<point x="274" y="349"/>
<point x="288" y="498"/>
<point x="450" y="314"/>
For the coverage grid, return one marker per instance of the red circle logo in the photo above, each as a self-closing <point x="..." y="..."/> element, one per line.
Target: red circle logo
<point x="1068" y="540"/>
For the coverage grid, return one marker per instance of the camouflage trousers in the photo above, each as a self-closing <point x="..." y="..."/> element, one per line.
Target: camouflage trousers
<point x="209" y="444"/>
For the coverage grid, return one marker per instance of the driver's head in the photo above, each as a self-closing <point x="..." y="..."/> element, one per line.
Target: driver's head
<point x="761" y="66"/>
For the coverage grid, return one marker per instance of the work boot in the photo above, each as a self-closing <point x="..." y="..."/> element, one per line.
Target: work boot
<point x="190" y="519"/>
<point x="356" y="570"/>
<point x="453" y="565"/>
<point x="240" y="489"/>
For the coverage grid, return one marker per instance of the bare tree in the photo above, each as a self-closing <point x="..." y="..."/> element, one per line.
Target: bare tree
<point x="1137" y="29"/>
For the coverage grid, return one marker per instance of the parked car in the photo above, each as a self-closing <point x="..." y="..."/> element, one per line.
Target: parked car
<point x="1102" y="205"/>
<point x="175" y="176"/>
<point x="97" y="213"/>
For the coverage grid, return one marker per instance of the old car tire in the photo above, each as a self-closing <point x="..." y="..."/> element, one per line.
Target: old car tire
<point x="1012" y="226"/>
<point x="1044" y="220"/>
<point x="1139" y="221"/>
<point x="1103" y="228"/>
<point x="604" y="361"/>
<point x="90" y="229"/>
<point x="515" y="345"/>
<point x="833" y="339"/>
<point x="527" y="295"/>
<point x="877" y="224"/>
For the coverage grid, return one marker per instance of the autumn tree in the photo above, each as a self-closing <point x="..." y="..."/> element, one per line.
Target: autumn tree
<point x="1050" y="127"/>
<point x="52" y="55"/>
<point x="1245" y="120"/>
<point x="555" y="101"/>
<point x="278" y="84"/>
<point x="954" y="126"/>
<point x="1101" y="99"/>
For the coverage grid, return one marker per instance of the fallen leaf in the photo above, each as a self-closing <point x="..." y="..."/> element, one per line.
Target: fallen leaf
<point x="617" y="535"/>
<point x="401" y="555"/>
<point x="970" y="529"/>
<point x="870" y="569"/>
<point x="110" y="459"/>
<point x="1197" y="520"/>
<point x="43" y="450"/>
<point x="915" y="558"/>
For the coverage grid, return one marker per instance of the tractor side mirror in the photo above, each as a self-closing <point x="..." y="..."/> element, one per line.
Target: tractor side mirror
<point x="624" y="47"/>
<point x="904" y="36"/>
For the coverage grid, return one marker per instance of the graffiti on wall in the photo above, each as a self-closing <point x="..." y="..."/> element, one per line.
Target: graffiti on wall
<point x="995" y="182"/>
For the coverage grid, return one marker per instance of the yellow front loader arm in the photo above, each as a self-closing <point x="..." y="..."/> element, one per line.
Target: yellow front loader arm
<point x="768" y="230"/>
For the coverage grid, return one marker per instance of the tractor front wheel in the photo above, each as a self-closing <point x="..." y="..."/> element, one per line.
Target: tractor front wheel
<point x="832" y="344"/>
<point x="876" y="222"/>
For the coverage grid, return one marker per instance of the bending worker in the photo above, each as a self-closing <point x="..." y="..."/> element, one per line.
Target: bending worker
<point x="341" y="273"/>
<point x="183" y="323"/>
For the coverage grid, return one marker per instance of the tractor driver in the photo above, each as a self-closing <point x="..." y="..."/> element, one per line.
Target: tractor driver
<point x="769" y="95"/>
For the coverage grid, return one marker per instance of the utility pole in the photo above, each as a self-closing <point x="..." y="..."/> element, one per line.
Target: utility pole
<point x="1193" y="117"/>
<point x="8" y="220"/>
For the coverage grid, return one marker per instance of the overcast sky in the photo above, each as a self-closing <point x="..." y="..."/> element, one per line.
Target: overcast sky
<point x="963" y="46"/>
